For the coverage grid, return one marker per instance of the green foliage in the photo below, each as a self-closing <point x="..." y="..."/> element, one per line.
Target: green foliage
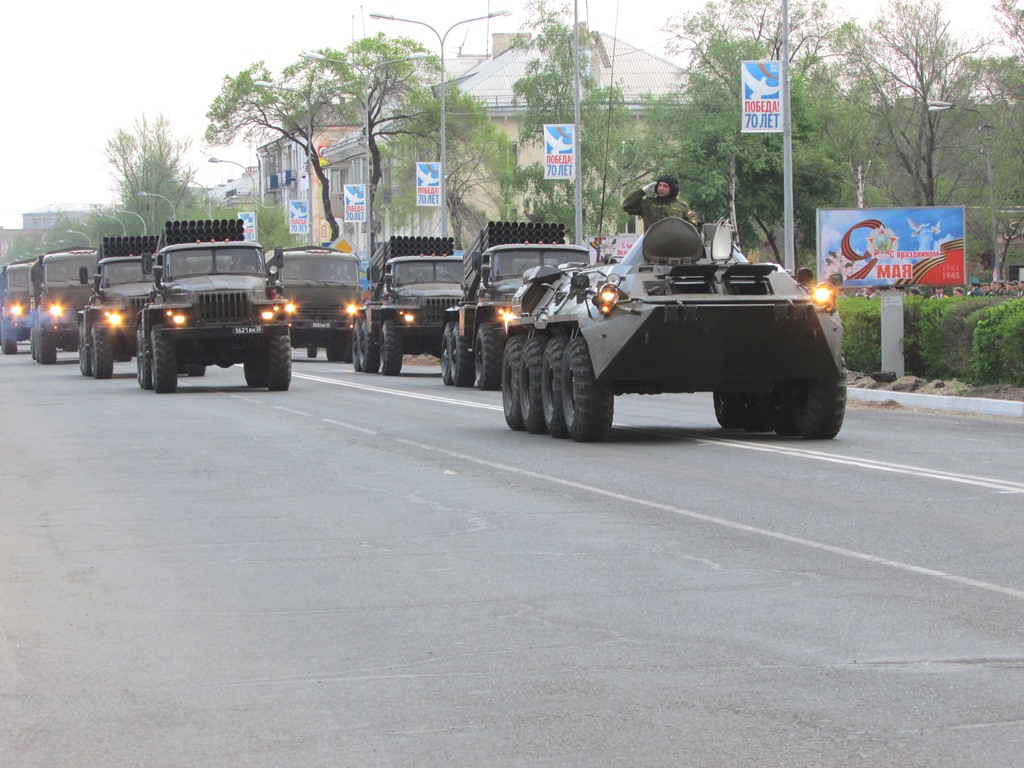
<point x="999" y="345"/>
<point x="862" y="333"/>
<point x="938" y="335"/>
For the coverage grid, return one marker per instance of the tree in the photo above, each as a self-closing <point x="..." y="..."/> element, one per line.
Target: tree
<point x="548" y="92"/>
<point x="305" y="100"/>
<point x="145" y="160"/>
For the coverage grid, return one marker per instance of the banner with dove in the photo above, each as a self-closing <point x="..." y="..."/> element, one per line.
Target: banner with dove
<point x="892" y="247"/>
<point x="248" y="224"/>
<point x="428" y="185"/>
<point x="355" y="202"/>
<point x="761" y="99"/>
<point x="298" y="217"/>
<point x="559" y="152"/>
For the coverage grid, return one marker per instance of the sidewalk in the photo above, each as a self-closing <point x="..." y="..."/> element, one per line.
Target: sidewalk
<point x="982" y="405"/>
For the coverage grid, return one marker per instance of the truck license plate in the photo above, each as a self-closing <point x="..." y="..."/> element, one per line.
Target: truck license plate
<point x="248" y="329"/>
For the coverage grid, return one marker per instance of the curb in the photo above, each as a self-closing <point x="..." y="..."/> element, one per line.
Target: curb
<point x="981" y="405"/>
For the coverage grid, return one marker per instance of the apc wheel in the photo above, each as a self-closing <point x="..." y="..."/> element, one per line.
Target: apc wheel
<point x="750" y="411"/>
<point x="824" y="409"/>
<point x="391" y="349"/>
<point x="448" y="342"/>
<point x="85" y="362"/>
<point x="587" y="405"/>
<point x="357" y="347"/>
<point x="530" y="383"/>
<point x="165" y="364"/>
<point x="311" y="353"/>
<point x="487" y="355"/>
<point x="551" y="388"/>
<point x="101" y="353"/>
<point x="510" y="362"/>
<point x="143" y="367"/>
<point x="371" y="349"/>
<point x="47" y="348"/>
<point x="278" y="368"/>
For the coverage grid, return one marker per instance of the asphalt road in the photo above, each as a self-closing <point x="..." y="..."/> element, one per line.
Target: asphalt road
<point x="374" y="571"/>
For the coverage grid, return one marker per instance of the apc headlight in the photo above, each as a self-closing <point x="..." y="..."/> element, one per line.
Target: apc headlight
<point x="607" y="297"/>
<point x="824" y="297"/>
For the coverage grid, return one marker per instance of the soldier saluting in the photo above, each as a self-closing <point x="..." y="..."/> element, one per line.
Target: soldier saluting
<point x="658" y="200"/>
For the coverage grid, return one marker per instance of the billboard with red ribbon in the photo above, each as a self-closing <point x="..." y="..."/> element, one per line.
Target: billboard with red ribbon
<point x="892" y="247"/>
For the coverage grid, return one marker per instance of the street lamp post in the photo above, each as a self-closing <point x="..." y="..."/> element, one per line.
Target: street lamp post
<point x="257" y="198"/>
<point x="441" y="38"/>
<point x="942" y="106"/>
<point x="82" y="234"/>
<point x="174" y="211"/>
<point x="309" y="144"/>
<point x="209" y="202"/>
<point x="124" y="232"/>
<point x="365" y="82"/>
<point x="133" y="213"/>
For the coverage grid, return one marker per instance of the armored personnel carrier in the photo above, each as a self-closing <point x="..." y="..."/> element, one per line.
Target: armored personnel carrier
<point x="15" y="305"/>
<point x="414" y="279"/>
<point x="682" y="312"/>
<point x="106" y="327"/>
<point x="323" y="286"/>
<point x="493" y="267"/>
<point x="60" y="289"/>
<point x="217" y="301"/>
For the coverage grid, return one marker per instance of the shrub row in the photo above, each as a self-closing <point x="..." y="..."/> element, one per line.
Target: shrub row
<point x="979" y="340"/>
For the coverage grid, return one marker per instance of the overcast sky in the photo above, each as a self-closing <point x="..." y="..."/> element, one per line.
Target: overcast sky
<point x="74" y="75"/>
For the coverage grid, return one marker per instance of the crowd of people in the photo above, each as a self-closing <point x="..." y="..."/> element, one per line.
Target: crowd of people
<point x="973" y="288"/>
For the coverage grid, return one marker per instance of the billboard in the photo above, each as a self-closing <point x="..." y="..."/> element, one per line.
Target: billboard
<point x="559" y="152"/>
<point x="428" y="185"/>
<point x="761" y="102"/>
<point x="892" y="247"/>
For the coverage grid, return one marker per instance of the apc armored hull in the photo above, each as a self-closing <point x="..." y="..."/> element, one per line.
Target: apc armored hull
<point x="678" y="314"/>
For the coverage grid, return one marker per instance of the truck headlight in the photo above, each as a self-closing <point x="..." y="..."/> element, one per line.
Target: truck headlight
<point x="409" y="317"/>
<point x="352" y="310"/>
<point x="114" y="318"/>
<point x="16" y="310"/>
<point x="56" y="310"/>
<point x="268" y="314"/>
<point x="290" y="308"/>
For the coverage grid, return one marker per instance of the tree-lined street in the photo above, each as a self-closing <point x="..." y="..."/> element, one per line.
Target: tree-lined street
<point x="375" y="571"/>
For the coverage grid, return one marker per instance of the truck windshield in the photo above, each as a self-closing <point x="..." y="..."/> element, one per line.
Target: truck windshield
<point x="65" y="271"/>
<point x="17" y="279"/>
<point x="412" y="272"/>
<point x="123" y="272"/>
<point x="208" y="261"/>
<point x="514" y="263"/>
<point x="325" y="270"/>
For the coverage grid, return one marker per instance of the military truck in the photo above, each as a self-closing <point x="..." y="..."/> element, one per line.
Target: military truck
<point x="323" y="286"/>
<point x="59" y="293"/>
<point x="106" y="327"/>
<point x="15" y="305"/>
<point x="216" y="301"/>
<point x="681" y="312"/>
<point x="414" y="280"/>
<point x="493" y="266"/>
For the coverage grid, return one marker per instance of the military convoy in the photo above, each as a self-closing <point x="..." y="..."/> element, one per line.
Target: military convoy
<point x="60" y="289"/>
<point x="16" y="313"/>
<point x="681" y="312"/>
<point x="414" y="281"/>
<point x="217" y="301"/>
<point x="323" y="286"/>
<point x="493" y="267"/>
<point x="106" y="326"/>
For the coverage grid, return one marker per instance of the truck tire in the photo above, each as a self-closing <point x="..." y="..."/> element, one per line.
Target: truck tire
<point x="510" y="361"/>
<point x="85" y="361"/>
<point x="448" y="342"/>
<point x="824" y="408"/>
<point x="464" y="373"/>
<point x="47" y="348"/>
<point x="335" y="351"/>
<point x="487" y="356"/>
<point x="143" y="364"/>
<point x="311" y="353"/>
<point x="551" y="387"/>
<point x="10" y="340"/>
<point x="371" y="350"/>
<point x="357" y="347"/>
<point x="530" y="380"/>
<point x="165" y="364"/>
<point x="588" y="405"/>
<point x="101" y="353"/>
<point x="255" y="372"/>
<point x="279" y="364"/>
<point x="391" y="349"/>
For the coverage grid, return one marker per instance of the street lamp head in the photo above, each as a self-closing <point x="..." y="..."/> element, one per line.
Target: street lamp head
<point x="214" y="160"/>
<point x="263" y="84"/>
<point x="388" y="16"/>
<point x="939" y="106"/>
<point x="313" y="56"/>
<point x="499" y="13"/>
<point x="142" y="193"/>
